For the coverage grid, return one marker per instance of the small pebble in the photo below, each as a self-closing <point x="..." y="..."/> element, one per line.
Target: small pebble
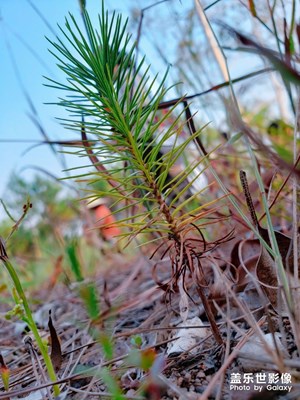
<point x="187" y="376"/>
<point x="180" y="381"/>
<point x="201" y="374"/>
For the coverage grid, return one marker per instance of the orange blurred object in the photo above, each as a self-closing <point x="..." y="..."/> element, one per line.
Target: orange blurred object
<point x="106" y="222"/>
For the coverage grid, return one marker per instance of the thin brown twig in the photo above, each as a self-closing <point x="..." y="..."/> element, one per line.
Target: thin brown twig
<point x="98" y="165"/>
<point x="227" y="362"/>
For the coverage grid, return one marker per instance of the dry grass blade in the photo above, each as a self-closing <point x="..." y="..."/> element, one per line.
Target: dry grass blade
<point x="285" y="69"/>
<point x="192" y="128"/>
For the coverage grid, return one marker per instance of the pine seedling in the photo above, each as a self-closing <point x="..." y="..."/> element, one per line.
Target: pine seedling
<point x="112" y="99"/>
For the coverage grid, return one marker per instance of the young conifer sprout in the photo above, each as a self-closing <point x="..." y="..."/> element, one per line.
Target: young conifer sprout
<point x="119" y="102"/>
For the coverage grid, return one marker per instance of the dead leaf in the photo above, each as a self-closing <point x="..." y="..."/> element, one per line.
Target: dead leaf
<point x="244" y="257"/>
<point x="189" y="333"/>
<point x="285" y="245"/>
<point x="265" y="267"/>
<point x="56" y="354"/>
<point x="257" y="348"/>
<point x="267" y="276"/>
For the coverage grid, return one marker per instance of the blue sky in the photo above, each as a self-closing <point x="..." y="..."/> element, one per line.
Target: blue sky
<point x="25" y="59"/>
<point x="22" y="28"/>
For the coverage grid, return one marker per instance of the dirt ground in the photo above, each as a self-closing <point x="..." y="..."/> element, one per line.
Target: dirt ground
<point x="131" y="306"/>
